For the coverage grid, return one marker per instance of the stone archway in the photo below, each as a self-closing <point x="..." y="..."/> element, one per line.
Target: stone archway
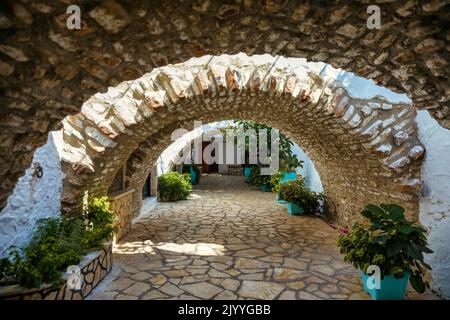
<point x="48" y="71"/>
<point x="365" y="151"/>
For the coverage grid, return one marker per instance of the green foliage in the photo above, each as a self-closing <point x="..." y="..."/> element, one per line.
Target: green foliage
<point x="275" y="180"/>
<point x="294" y="191"/>
<point x="288" y="160"/>
<point x="56" y="244"/>
<point x="100" y="222"/>
<point x="390" y="241"/>
<point x="257" y="179"/>
<point x="173" y="186"/>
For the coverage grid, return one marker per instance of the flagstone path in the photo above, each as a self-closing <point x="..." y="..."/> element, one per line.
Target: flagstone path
<point x="230" y="241"/>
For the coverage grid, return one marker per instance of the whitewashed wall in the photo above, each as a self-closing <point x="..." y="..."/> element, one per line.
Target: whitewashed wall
<point x="33" y="198"/>
<point x="435" y="198"/>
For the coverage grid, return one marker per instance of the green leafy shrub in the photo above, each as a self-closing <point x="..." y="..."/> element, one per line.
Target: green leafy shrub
<point x="275" y="181"/>
<point x="294" y="191"/>
<point x="57" y="244"/>
<point x="100" y="222"/>
<point x="173" y="186"/>
<point x="288" y="160"/>
<point x="390" y="241"/>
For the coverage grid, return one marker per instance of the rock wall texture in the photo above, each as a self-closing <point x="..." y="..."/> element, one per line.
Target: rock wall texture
<point x="48" y="71"/>
<point x="365" y="150"/>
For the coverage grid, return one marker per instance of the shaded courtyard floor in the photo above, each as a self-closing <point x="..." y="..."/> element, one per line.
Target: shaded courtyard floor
<point x="230" y="241"/>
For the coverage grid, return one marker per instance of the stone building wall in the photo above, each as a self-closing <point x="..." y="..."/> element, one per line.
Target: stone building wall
<point x="121" y="205"/>
<point x="48" y="71"/>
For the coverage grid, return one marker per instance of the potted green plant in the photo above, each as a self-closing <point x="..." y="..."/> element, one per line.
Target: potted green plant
<point x="193" y="171"/>
<point x="299" y="199"/>
<point x="264" y="183"/>
<point x="393" y="244"/>
<point x="259" y="180"/>
<point x="275" y="181"/>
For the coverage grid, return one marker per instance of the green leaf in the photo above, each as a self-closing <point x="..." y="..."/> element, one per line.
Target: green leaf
<point x="394" y="211"/>
<point x="380" y="239"/>
<point x="377" y="211"/>
<point x="367" y="214"/>
<point x="394" y="247"/>
<point x="414" y="252"/>
<point x="405" y="229"/>
<point x="417" y="283"/>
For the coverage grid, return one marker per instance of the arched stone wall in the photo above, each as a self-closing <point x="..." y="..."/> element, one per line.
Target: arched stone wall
<point x="48" y="71"/>
<point x="365" y="151"/>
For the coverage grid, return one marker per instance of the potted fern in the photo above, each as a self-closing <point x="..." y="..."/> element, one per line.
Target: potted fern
<point x="391" y="243"/>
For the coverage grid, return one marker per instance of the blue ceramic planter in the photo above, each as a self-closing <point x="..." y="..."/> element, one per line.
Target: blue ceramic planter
<point x="294" y="209"/>
<point x="247" y="173"/>
<point x="279" y="200"/>
<point x="193" y="176"/>
<point x="287" y="176"/>
<point x="265" y="188"/>
<point x="390" y="287"/>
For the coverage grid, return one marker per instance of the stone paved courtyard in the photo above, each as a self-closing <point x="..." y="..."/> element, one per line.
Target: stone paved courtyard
<point x="230" y="241"/>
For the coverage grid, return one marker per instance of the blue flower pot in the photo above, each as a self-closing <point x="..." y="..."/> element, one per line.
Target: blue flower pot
<point x="294" y="209"/>
<point x="287" y="176"/>
<point x="247" y="173"/>
<point x="265" y="188"/>
<point x="390" y="287"/>
<point x="279" y="200"/>
<point x="193" y="176"/>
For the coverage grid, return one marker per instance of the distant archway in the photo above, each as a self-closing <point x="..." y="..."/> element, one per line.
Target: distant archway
<point x="365" y="151"/>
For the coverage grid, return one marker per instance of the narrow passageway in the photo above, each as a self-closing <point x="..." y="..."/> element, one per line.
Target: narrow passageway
<point x="230" y="241"/>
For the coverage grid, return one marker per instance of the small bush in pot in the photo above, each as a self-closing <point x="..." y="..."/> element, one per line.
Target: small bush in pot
<point x="100" y="222"/>
<point x="173" y="186"/>
<point x="296" y="195"/>
<point x="259" y="180"/>
<point x="392" y="243"/>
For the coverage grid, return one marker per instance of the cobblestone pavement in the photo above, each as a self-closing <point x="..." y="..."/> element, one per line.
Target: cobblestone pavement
<point x="230" y="241"/>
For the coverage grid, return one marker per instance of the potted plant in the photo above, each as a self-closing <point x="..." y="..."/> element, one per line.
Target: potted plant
<point x="290" y="192"/>
<point x="264" y="183"/>
<point x="259" y="180"/>
<point x="299" y="199"/>
<point x="193" y="171"/>
<point x="275" y="181"/>
<point x="247" y="173"/>
<point x="391" y="243"/>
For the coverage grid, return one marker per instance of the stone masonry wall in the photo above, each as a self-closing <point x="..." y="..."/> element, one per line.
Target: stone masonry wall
<point x="48" y="72"/>
<point x="121" y="205"/>
<point x="365" y="151"/>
